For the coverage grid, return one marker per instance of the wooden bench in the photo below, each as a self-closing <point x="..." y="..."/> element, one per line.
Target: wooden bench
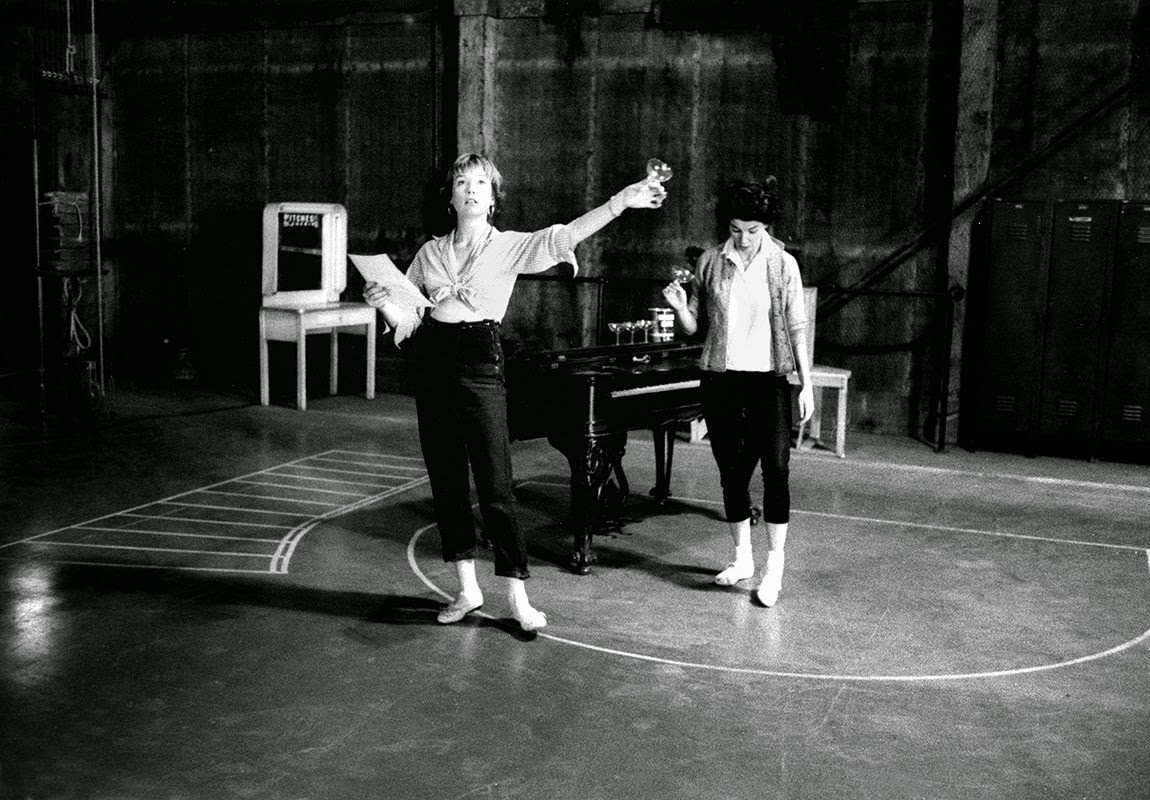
<point x="822" y="377"/>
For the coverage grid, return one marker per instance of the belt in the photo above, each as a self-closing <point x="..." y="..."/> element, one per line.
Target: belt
<point x="489" y="324"/>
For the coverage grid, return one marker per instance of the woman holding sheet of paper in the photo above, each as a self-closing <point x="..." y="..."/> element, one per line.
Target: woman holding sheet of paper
<point x="461" y="400"/>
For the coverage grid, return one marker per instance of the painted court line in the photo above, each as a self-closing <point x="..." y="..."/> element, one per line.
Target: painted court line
<point x="902" y="523"/>
<point x="249" y="496"/>
<point x="844" y="677"/>
<point x="317" y="479"/>
<point x="294" y="486"/>
<point x="135" y="530"/>
<point x="147" y="532"/>
<point x="201" y="521"/>
<point x="216" y="507"/>
<point x="840" y="463"/>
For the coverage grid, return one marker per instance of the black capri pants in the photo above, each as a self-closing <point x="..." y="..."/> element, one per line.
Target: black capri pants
<point x="748" y="417"/>
<point x="461" y="401"/>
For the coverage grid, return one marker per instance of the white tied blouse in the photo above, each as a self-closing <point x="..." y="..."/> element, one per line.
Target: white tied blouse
<point x="485" y="280"/>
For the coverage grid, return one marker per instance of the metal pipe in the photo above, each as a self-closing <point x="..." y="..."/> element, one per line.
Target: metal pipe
<point x="94" y="213"/>
<point x="945" y="358"/>
<point x="43" y="391"/>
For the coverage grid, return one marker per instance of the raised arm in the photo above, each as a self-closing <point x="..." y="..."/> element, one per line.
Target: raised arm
<point x="646" y="193"/>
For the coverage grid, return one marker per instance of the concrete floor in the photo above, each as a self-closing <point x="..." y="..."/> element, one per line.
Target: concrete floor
<point x="204" y="598"/>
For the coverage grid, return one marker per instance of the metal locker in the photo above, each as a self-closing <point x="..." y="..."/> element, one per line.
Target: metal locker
<point x="1125" y="412"/>
<point x="1082" y="242"/>
<point x="1005" y="313"/>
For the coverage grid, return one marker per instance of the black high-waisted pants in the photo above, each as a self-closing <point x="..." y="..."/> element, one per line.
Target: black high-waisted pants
<point x="748" y="418"/>
<point x="461" y="400"/>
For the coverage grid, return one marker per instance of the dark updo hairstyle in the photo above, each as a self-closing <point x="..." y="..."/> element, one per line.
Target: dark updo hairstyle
<point x="747" y="200"/>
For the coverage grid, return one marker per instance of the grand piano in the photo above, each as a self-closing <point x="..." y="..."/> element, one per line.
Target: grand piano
<point x="584" y="400"/>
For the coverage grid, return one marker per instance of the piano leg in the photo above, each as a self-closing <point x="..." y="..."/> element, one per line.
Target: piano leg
<point x="664" y="440"/>
<point x="594" y="461"/>
<point x="615" y="493"/>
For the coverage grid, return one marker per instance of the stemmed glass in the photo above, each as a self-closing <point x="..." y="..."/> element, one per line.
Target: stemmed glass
<point x="629" y="327"/>
<point x="659" y="170"/>
<point x="615" y="328"/>
<point x="645" y="325"/>
<point x="681" y="274"/>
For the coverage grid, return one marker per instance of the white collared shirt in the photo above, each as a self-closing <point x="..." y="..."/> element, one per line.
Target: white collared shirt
<point x="748" y="311"/>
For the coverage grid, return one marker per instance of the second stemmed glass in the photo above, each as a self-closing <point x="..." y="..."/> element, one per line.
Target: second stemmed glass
<point x="645" y="326"/>
<point x="629" y="327"/>
<point x="659" y="170"/>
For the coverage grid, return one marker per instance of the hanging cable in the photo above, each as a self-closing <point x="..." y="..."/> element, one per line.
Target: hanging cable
<point x="79" y="339"/>
<point x="70" y="49"/>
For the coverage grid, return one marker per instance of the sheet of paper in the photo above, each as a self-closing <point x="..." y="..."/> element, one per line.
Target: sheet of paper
<point x="382" y="270"/>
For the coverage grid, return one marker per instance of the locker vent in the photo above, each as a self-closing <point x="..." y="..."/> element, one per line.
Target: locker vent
<point x="1131" y="413"/>
<point x="1067" y="408"/>
<point x="1080" y="232"/>
<point x="1143" y="235"/>
<point x="1004" y="403"/>
<point x="1016" y="231"/>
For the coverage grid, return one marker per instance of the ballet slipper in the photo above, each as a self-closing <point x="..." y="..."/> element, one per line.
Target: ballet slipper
<point x="736" y="571"/>
<point x="525" y="614"/>
<point x="459" y="608"/>
<point x="530" y="619"/>
<point x="772" y="582"/>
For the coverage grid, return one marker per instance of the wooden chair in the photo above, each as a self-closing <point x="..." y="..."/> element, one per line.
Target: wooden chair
<point x="293" y="324"/>
<point x="822" y="377"/>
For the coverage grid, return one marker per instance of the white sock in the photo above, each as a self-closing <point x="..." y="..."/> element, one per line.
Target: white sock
<point x="468" y="584"/>
<point x="525" y="614"/>
<point x="777" y="535"/>
<point x="776" y="559"/>
<point x="741" y="536"/>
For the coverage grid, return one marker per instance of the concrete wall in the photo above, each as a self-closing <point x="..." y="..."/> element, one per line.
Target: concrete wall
<point x="874" y="114"/>
<point x="572" y="111"/>
<point x="209" y="126"/>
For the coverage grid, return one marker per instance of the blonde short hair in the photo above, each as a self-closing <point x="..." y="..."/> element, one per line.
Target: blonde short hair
<point x="470" y="161"/>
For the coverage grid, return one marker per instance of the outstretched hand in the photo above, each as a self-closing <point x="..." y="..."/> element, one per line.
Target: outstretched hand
<point x="646" y="193"/>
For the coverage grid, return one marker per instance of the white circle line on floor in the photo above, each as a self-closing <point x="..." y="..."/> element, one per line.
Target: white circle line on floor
<point x="1022" y="477"/>
<point x="817" y="676"/>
